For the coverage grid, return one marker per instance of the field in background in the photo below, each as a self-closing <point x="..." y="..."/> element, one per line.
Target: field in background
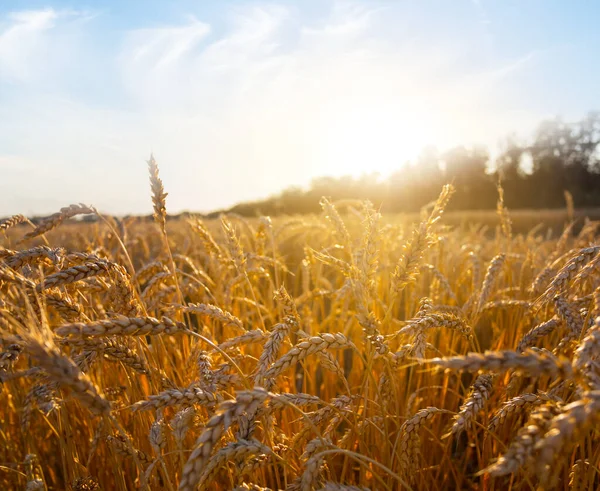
<point x="546" y="220"/>
<point x="319" y="352"/>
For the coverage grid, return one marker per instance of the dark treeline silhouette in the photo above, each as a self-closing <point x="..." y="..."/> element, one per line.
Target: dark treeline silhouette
<point x="561" y="157"/>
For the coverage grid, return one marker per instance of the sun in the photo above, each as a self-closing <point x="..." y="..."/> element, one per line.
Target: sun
<point x="366" y="139"/>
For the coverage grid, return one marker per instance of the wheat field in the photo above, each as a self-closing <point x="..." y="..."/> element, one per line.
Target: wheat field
<point x="345" y="351"/>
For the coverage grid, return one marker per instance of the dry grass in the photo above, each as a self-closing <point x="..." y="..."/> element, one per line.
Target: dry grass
<point x="343" y="351"/>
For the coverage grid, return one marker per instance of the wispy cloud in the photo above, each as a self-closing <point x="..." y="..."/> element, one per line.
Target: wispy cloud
<point x="23" y="41"/>
<point x="164" y="45"/>
<point x="35" y="43"/>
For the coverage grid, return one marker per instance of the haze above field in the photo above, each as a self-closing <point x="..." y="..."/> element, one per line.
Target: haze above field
<point x="239" y="100"/>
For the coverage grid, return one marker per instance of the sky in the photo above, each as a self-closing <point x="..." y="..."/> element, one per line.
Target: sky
<point x="238" y="100"/>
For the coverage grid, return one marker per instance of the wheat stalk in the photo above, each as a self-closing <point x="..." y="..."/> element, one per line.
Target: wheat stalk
<point x="158" y="194"/>
<point x="178" y="397"/>
<point x="55" y="220"/>
<point x="12" y="221"/>
<point x="529" y="362"/>
<point x="228" y="411"/>
<point x="123" y="326"/>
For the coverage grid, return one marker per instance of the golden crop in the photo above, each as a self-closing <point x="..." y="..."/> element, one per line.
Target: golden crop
<point x="335" y="352"/>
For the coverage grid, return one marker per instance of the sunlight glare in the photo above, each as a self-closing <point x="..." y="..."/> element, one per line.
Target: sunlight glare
<point x="367" y="139"/>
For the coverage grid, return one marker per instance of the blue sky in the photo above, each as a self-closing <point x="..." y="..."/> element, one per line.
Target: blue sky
<point x="240" y="99"/>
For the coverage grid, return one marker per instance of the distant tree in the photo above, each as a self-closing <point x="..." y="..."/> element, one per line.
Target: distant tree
<point x="565" y="156"/>
<point x="466" y="168"/>
<point x="511" y="173"/>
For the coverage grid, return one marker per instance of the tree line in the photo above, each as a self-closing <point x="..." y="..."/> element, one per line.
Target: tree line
<point x="535" y="174"/>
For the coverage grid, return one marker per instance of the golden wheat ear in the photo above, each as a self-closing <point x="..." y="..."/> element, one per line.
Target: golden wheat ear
<point x="158" y="194"/>
<point x="55" y="220"/>
<point x="12" y="221"/>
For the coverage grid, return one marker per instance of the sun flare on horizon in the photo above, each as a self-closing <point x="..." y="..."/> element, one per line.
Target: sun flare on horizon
<point x="367" y="139"/>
